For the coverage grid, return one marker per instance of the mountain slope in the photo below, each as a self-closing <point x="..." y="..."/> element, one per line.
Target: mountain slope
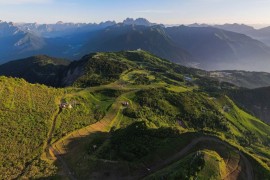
<point x="256" y="101"/>
<point x="132" y="37"/>
<point x="102" y="68"/>
<point x="246" y="79"/>
<point x="216" y="49"/>
<point x="163" y="109"/>
<point x="259" y="34"/>
<point x="197" y="46"/>
<point x="17" y="44"/>
<point x="37" y="69"/>
<point x="238" y="28"/>
<point x="135" y="119"/>
<point x="25" y="117"/>
<point x="61" y="29"/>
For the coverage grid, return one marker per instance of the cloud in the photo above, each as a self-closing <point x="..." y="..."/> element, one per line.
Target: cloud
<point x="18" y="2"/>
<point x="152" y="11"/>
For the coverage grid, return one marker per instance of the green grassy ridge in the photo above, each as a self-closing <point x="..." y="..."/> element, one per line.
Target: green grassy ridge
<point x="148" y="106"/>
<point x="254" y="101"/>
<point x="197" y="110"/>
<point x="97" y="69"/>
<point x="88" y="108"/>
<point x="25" y="118"/>
<point x="205" y="166"/>
<point x="27" y="112"/>
<point x="103" y="68"/>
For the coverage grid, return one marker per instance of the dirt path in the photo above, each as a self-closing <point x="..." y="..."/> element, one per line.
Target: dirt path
<point x="49" y="148"/>
<point x="46" y="145"/>
<point x="65" y="167"/>
<point x="57" y="150"/>
<point x="49" y="140"/>
<point x="247" y="166"/>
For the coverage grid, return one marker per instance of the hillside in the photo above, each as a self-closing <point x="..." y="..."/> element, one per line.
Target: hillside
<point x="37" y="69"/>
<point x="26" y="114"/>
<point x="217" y="49"/>
<point x="102" y="68"/>
<point x="161" y="112"/>
<point x="256" y="101"/>
<point x="246" y="79"/>
<point x="16" y="44"/>
<point x="132" y="37"/>
<point x="131" y="115"/>
<point x="261" y="34"/>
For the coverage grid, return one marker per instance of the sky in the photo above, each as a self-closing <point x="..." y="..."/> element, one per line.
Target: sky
<point x="254" y="12"/>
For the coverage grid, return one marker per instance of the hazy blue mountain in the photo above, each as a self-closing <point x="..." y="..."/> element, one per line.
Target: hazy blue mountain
<point x="262" y="34"/>
<point x="198" y="25"/>
<point x="217" y="49"/>
<point x="195" y="45"/>
<point x="132" y="37"/>
<point x="16" y="43"/>
<point x="139" y="21"/>
<point x="8" y="29"/>
<point x="239" y="28"/>
<point x="62" y="29"/>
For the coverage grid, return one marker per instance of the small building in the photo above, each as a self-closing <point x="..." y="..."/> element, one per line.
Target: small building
<point x="65" y="105"/>
<point x="226" y="108"/>
<point x="187" y="78"/>
<point x="126" y="104"/>
<point x="70" y="106"/>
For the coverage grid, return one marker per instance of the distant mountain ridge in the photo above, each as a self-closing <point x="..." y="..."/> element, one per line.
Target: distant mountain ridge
<point x="201" y="46"/>
<point x="132" y="37"/>
<point x="217" y="49"/>
<point x="61" y="29"/>
<point x="139" y="21"/>
<point x="262" y="34"/>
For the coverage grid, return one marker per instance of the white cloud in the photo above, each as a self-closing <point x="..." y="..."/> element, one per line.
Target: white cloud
<point x="18" y="2"/>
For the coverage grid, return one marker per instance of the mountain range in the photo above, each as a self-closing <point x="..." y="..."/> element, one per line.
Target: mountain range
<point x="224" y="47"/>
